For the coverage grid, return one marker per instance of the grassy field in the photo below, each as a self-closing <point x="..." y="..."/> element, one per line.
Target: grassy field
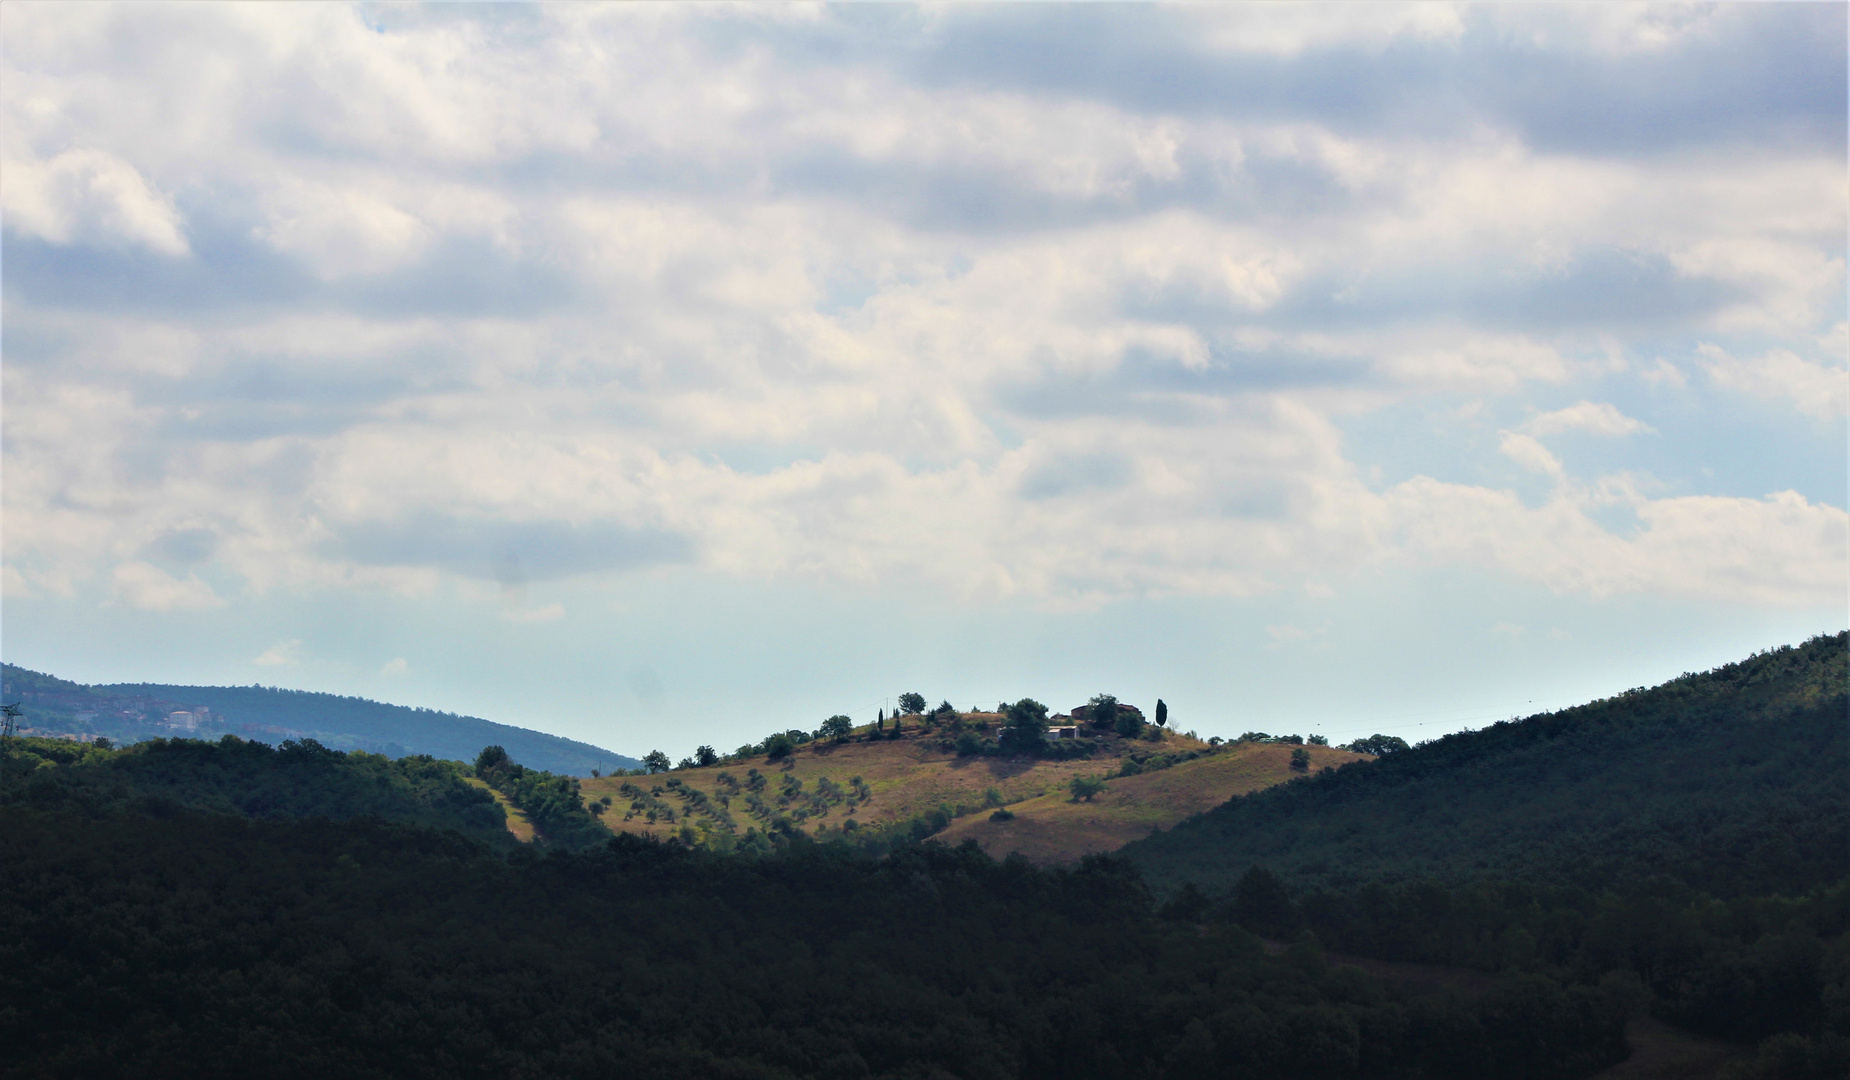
<point x="1054" y="828"/>
<point x="517" y="822"/>
<point x="883" y="782"/>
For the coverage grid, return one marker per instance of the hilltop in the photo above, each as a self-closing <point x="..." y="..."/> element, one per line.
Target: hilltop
<point x="1735" y="781"/>
<point x="867" y="785"/>
<point x="131" y="712"/>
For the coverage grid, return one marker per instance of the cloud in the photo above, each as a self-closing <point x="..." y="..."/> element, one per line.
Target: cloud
<point x="393" y="667"/>
<point x="1067" y="306"/>
<point x="152" y="589"/>
<point x="280" y="654"/>
<point x="1594" y="418"/>
<point x="1526" y="451"/>
<point x="536" y="615"/>
<point x="89" y="196"/>
<point x="1813" y="389"/>
<point x="1782" y="550"/>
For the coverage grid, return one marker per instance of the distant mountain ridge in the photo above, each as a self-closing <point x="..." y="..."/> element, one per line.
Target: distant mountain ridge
<point x="133" y="711"/>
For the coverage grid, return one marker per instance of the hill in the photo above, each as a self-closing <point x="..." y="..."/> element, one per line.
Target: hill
<point x="252" y="780"/>
<point x="865" y="787"/>
<point x="1734" y="781"/>
<point x="130" y="712"/>
<point x="1055" y="827"/>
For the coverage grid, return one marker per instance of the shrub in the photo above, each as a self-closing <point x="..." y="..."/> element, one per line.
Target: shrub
<point x="1300" y="759"/>
<point x="1084" y="787"/>
<point x="1002" y="815"/>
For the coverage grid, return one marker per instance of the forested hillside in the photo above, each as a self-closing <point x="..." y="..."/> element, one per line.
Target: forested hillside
<point x="213" y="946"/>
<point x="238" y="778"/>
<point x="1735" y="781"/>
<point x="128" y="712"/>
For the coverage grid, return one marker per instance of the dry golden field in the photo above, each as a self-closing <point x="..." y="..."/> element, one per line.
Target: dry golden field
<point x="1054" y="828"/>
<point x="902" y="778"/>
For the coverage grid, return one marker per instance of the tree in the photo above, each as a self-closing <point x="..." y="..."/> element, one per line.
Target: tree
<point x="491" y="758"/>
<point x="685" y="763"/>
<point x="880" y="721"/>
<point x="1300" y="759"/>
<point x="1102" y="710"/>
<point x="1129" y="725"/>
<point x="1162" y="713"/>
<point x="655" y="761"/>
<point x="1318" y="740"/>
<point x="837" y="727"/>
<point x="1378" y="745"/>
<point x="1261" y="904"/>
<point x="778" y="747"/>
<point x="705" y="756"/>
<point x="912" y="704"/>
<point x="1084" y="787"/>
<point x="1026" y="727"/>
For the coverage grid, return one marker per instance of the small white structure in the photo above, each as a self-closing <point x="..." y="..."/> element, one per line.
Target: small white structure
<point x="1063" y="733"/>
<point x="182" y="721"/>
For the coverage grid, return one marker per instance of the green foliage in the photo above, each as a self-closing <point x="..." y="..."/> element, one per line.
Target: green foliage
<point x="1085" y="787"/>
<point x="1300" y="759"/>
<point x="655" y="762"/>
<point x="235" y="777"/>
<point x="1162" y="713"/>
<point x="1736" y="781"/>
<point x="837" y="727"/>
<point x="778" y="747"/>
<point x="155" y="947"/>
<point x="551" y="802"/>
<point x="706" y="756"/>
<point x="1260" y="904"/>
<point x="1003" y="814"/>
<point x="1377" y="745"/>
<point x="1101" y="710"/>
<point x="911" y="703"/>
<point x="1025" y="730"/>
<point x="1128" y="724"/>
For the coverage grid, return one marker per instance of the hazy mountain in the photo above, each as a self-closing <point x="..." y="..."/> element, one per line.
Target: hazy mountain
<point x="131" y="712"/>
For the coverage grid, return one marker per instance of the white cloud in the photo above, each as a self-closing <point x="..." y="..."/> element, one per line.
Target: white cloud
<point x="1813" y="389"/>
<point x="815" y="319"/>
<point x="1780" y="550"/>
<point x="89" y="196"/>
<point x="395" y="666"/>
<point x="1290" y="29"/>
<point x="152" y="589"/>
<point x="280" y="654"/>
<point x="341" y="231"/>
<point x="1594" y="418"/>
<point x="1524" y="450"/>
<point x="536" y="615"/>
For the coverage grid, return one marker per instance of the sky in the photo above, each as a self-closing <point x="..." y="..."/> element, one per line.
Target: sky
<point x="668" y="375"/>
